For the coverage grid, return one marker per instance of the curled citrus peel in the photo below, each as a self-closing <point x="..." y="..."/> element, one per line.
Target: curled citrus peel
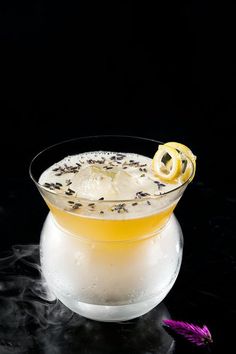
<point x="173" y="162"/>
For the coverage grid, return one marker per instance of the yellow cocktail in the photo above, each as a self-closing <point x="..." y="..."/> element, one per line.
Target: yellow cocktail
<point x="107" y="244"/>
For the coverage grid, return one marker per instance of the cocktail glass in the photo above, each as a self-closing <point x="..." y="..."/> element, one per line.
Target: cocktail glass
<point x="104" y="268"/>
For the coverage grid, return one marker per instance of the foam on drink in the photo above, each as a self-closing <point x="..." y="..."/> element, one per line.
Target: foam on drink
<point x="106" y="176"/>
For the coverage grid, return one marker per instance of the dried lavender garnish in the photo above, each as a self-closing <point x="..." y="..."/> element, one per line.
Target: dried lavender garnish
<point x="68" y="182"/>
<point x="52" y="186"/>
<point x="159" y="184"/>
<point x="76" y="206"/>
<point x="69" y="191"/>
<point x="120" y="208"/>
<point x="60" y="170"/>
<point x="141" y="194"/>
<point x="193" y="333"/>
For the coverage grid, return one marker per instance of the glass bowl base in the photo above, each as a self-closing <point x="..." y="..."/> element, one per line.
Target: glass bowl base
<point x="115" y="313"/>
<point x="114" y="281"/>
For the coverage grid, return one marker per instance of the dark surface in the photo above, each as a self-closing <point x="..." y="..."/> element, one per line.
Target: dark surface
<point x="166" y="73"/>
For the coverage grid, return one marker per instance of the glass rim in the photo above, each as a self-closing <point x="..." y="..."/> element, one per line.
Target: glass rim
<point x="137" y="200"/>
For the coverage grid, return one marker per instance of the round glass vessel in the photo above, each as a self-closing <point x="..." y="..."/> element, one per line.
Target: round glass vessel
<point x="108" y="260"/>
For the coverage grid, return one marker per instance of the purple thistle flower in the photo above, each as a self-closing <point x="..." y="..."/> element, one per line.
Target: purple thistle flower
<point x="195" y="334"/>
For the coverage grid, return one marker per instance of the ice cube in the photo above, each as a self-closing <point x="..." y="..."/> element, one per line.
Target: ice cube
<point x="128" y="184"/>
<point x="93" y="183"/>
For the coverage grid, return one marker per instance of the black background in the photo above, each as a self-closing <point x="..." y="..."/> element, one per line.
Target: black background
<point x="166" y="72"/>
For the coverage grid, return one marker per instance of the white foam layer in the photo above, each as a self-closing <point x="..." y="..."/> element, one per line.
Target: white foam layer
<point x="109" y="176"/>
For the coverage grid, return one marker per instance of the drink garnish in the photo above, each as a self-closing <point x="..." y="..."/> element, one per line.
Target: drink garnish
<point x="173" y="162"/>
<point x="184" y="150"/>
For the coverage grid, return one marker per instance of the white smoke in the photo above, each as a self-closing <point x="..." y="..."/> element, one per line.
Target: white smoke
<point x="32" y="320"/>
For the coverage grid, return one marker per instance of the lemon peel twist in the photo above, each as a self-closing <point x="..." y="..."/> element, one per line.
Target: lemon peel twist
<point x="174" y="161"/>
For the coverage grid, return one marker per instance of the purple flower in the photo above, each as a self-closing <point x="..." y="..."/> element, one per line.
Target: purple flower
<point x="195" y="334"/>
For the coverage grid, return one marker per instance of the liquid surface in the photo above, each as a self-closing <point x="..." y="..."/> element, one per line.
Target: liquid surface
<point x="107" y="195"/>
<point x="104" y="176"/>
